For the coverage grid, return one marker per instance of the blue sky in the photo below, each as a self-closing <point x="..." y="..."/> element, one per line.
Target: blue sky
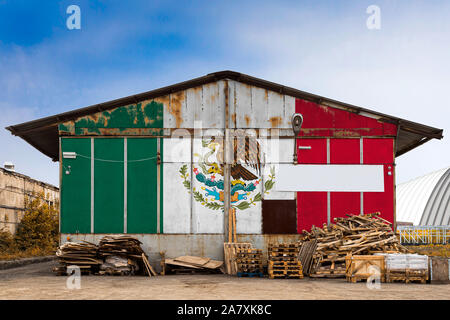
<point x="127" y="47"/>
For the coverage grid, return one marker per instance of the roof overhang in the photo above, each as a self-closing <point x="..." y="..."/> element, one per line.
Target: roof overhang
<point x="43" y="133"/>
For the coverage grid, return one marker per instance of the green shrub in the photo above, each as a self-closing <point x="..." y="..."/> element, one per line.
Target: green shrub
<point x="38" y="228"/>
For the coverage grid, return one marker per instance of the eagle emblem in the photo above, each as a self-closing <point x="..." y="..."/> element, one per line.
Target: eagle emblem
<point x="245" y="174"/>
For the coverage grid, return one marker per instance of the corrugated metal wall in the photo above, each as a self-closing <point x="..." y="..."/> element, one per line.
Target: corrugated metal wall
<point x="118" y="191"/>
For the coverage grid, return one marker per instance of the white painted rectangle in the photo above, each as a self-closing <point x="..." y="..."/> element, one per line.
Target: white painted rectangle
<point x="345" y="178"/>
<point x="273" y="194"/>
<point x="177" y="150"/>
<point x="176" y="202"/>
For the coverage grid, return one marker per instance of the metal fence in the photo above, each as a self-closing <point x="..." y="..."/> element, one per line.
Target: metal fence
<point x="424" y="234"/>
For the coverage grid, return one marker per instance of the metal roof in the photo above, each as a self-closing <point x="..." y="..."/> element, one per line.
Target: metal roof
<point x="43" y="133"/>
<point x="425" y="200"/>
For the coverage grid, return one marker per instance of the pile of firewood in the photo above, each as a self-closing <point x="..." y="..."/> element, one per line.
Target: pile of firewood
<point x="83" y="255"/>
<point x="354" y="235"/>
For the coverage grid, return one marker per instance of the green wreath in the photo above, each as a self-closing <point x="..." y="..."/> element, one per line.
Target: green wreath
<point x="268" y="185"/>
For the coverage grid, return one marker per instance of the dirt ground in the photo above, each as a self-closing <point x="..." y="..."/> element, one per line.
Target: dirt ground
<point x="38" y="282"/>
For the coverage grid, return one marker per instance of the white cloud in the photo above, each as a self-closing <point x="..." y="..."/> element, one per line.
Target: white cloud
<point x="401" y="70"/>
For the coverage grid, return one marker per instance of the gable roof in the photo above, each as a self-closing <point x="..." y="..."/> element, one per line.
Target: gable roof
<point x="43" y="133"/>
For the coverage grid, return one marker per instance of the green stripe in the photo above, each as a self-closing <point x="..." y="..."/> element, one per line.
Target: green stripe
<point x="76" y="187"/>
<point x="108" y="186"/>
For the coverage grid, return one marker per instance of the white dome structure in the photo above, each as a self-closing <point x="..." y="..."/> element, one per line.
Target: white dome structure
<point x="425" y="201"/>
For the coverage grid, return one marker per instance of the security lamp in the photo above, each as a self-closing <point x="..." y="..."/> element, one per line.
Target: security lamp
<point x="297" y="121"/>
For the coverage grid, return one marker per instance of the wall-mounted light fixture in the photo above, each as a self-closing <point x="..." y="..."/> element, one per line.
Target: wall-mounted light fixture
<point x="69" y="155"/>
<point x="297" y="121"/>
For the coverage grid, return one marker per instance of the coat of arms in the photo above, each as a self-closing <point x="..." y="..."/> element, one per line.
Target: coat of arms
<point x="244" y="182"/>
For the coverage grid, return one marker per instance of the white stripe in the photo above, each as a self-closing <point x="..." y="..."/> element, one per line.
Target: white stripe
<point x="328" y="193"/>
<point x="92" y="185"/>
<point x="361" y="161"/>
<point x="158" y="188"/>
<point x="125" y="185"/>
<point x="330" y="177"/>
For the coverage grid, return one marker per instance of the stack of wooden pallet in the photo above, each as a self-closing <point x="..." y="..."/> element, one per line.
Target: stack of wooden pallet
<point x="230" y="251"/>
<point x="307" y="250"/>
<point x="283" y="261"/>
<point x="406" y="268"/>
<point x="355" y="235"/>
<point x="83" y="255"/>
<point x="249" y="262"/>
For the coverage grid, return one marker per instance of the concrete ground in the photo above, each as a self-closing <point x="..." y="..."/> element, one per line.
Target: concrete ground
<point x="37" y="281"/>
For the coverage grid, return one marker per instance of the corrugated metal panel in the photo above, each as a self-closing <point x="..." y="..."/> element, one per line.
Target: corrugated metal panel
<point x="344" y="151"/>
<point x="76" y="186"/>
<point x="108" y="185"/>
<point x="253" y="107"/>
<point x="176" y="199"/>
<point x="43" y="133"/>
<point x="204" y="103"/>
<point x="413" y="197"/>
<point x="141" y="185"/>
<point x="380" y="151"/>
<point x="437" y="210"/>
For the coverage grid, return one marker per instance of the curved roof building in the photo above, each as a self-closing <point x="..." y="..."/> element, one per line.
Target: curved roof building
<point x="425" y="201"/>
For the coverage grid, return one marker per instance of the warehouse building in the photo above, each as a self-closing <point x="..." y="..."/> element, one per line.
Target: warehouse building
<point x="170" y="165"/>
<point x="425" y="201"/>
<point x="15" y="188"/>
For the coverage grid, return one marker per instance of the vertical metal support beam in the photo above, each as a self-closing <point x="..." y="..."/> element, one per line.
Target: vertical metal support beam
<point x="227" y="169"/>
<point x="395" y="184"/>
<point x="328" y="193"/>
<point x="191" y="198"/>
<point x="92" y="184"/>
<point x="125" y="185"/>
<point x="361" y="161"/>
<point x="158" y="187"/>
<point x="60" y="187"/>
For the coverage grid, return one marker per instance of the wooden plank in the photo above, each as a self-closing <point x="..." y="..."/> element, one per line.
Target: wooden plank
<point x="148" y="265"/>
<point x="234" y="225"/>
<point x="181" y="264"/>
<point x="144" y="259"/>
<point x="230" y="255"/>
<point x="193" y="260"/>
<point x="213" y="264"/>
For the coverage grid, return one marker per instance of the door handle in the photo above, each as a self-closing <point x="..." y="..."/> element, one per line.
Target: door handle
<point x="304" y="147"/>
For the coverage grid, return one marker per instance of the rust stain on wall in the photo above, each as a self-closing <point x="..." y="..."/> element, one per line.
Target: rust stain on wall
<point x="346" y="133"/>
<point x="165" y="100"/>
<point x="175" y="107"/>
<point x="247" y="120"/>
<point x="326" y="109"/>
<point x="275" y="121"/>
